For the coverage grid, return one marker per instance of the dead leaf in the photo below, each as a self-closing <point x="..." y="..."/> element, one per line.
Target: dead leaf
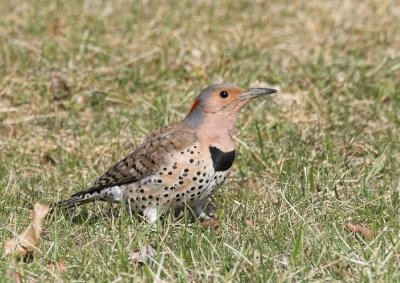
<point x="274" y="196"/>
<point x="59" y="87"/>
<point x="193" y="277"/>
<point x="366" y="233"/>
<point x="59" y="266"/>
<point x="12" y="132"/>
<point x="14" y="276"/>
<point x="48" y="158"/>
<point x="54" y="27"/>
<point x="210" y="222"/>
<point x="249" y="222"/>
<point x="142" y="255"/>
<point x="29" y="240"/>
<point x="396" y="254"/>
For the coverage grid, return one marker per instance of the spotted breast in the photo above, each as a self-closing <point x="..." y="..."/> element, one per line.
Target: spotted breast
<point x="189" y="178"/>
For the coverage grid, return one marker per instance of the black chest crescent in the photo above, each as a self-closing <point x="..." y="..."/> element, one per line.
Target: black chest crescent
<point x="222" y="161"/>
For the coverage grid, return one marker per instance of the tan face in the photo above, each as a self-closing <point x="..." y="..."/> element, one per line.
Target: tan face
<point x="220" y="99"/>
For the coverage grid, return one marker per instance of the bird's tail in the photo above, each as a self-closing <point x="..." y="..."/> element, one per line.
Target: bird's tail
<point x="112" y="194"/>
<point x="79" y="198"/>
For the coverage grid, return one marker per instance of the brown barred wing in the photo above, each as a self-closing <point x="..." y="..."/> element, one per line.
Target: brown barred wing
<point x="148" y="158"/>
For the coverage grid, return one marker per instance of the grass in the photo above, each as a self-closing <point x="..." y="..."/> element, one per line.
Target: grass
<point x="323" y="152"/>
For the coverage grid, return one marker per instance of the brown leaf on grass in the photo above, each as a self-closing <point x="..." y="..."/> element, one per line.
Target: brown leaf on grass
<point x="12" y="132"/>
<point x="210" y="222"/>
<point x="54" y="27"/>
<point x="14" y="276"/>
<point x="48" y="158"/>
<point x="143" y="254"/>
<point x="59" y="87"/>
<point x="58" y="266"/>
<point x="29" y="240"/>
<point x="249" y="222"/>
<point x="365" y="233"/>
<point x="396" y="254"/>
<point x="274" y="196"/>
<point x="191" y="277"/>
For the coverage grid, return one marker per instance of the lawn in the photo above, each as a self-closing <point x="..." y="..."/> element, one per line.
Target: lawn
<point x="84" y="82"/>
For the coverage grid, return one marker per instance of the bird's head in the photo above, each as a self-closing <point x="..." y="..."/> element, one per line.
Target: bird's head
<point x="223" y="101"/>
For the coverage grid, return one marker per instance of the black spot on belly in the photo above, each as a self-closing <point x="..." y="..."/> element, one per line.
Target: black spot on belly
<point x="222" y="161"/>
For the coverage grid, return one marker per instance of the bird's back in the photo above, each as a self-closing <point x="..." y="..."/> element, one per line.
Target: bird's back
<point x="154" y="153"/>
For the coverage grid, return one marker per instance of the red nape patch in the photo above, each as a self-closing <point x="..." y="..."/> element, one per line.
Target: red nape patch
<point x="194" y="106"/>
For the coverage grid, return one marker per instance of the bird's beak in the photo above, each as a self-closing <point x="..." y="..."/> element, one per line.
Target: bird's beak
<point x="256" y="92"/>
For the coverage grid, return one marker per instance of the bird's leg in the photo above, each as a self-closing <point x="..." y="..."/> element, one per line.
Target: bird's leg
<point x="202" y="210"/>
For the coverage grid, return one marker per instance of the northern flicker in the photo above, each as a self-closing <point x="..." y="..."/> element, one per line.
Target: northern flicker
<point x="180" y="165"/>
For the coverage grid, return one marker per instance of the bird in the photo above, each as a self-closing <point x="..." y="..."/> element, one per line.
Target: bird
<point x="181" y="165"/>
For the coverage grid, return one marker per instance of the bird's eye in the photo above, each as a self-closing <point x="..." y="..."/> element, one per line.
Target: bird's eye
<point x="223" y="94"/>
